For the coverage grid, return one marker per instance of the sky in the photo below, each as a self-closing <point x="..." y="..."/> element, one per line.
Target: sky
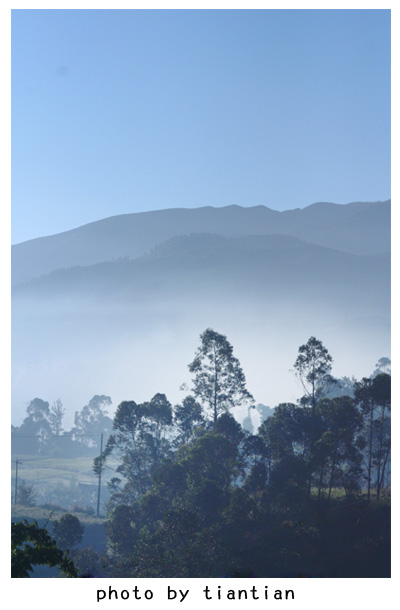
<point x="119" y="111"/>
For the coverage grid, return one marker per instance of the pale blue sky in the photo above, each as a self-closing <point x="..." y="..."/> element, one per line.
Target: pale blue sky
<point x="124" y="111"/>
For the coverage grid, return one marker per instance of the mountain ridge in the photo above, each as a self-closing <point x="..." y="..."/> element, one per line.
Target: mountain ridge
<point x="206" y="207"/>
<point x="134" y="234"/>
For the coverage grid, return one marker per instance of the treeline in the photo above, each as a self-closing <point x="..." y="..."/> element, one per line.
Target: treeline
<point x="42" y="432"/>
<point x="196" y="495"/>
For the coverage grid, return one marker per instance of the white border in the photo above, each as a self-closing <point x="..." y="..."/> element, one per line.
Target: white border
<point x="310" y="594"/>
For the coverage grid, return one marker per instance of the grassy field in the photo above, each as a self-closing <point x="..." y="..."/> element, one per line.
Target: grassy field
<point x="63" y="481"/>
<point x="48" y="470"/>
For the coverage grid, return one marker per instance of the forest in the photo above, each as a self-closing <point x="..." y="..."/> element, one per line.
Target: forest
<point x="194" y="493"/>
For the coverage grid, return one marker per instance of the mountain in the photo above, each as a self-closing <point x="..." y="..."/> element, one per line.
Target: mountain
<point x="203" y="264"/>
<point x="116" y="307"/>
<point x="358" y="228"/>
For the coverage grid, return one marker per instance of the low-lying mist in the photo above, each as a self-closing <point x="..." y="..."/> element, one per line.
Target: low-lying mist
<point x="128" y="327"/>
<point x="74" y="349"/>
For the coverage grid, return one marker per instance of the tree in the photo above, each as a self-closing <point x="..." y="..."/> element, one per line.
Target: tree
<point x="372" y="395"/>
<point x="68" y="531"/>
<point x="228" y="426"/>
<point x="32" y="545"/>
<point x="256" y="455"/>
<point x="168" y="530"/>
<point x="139" y="442"/>
<point x="286" y="436"/>
<point x="92" y="420"/>
<point x="313" y="366"/>
<point x="26" y="494"/>
<point x="56" y="415"/>
<point x="286" y="432"/>
<point x="383" y="365"/>
<point x="91" y="564"/>
<point x="381" y="393"/>
<point x="121" y="531"/>
<point x="38" y="410"/>
<point x="35" y="430"/>
<point x="187" y="417"/>
<point x="364" y="400"/>
<point x="208" y="467"/>
<point x="337" y="450"/>
<point x="218" y="381"/>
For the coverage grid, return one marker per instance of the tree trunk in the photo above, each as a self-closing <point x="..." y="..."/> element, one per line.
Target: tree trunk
<point x="378" y="486"/>
<point x="371" y="420"/>
<point x="215" y="389"/>
<point x="384" y="467"/>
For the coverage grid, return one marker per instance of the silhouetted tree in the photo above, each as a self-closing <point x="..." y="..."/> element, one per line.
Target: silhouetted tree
<point x="32" y="545"/>
<point x="187" y="417"/>
<point x="381" y="392"/>
<point x="313" y="367"/>
<point x="218" y="380"/>
<point x="26" y="494"/>
<point x="228" y="426"/>
<point x="35" y="430"/>
<point x="92" y="420"/>
<point x="56" y="415"/>
<point x="68" y="531"/>
<point x="383" y="365"/>
<point x="139" y="442"/>
<point x="372" y="395"/>
<point x="286" y="432"/>
<point x="337" y="452"/>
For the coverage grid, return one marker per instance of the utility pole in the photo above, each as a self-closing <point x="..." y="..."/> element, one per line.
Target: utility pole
<point x="100" y="468"/>
<point x="16" y="480"/>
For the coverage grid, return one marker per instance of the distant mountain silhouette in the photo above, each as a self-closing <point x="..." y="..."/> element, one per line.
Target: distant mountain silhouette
<point x="358" y="228"/>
